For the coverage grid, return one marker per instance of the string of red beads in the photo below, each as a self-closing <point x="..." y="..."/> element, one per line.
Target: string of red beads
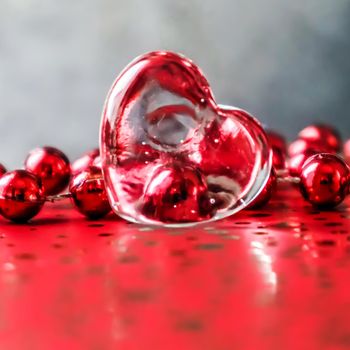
<point x="312" y="160"/>
<point x="47" y="172"/>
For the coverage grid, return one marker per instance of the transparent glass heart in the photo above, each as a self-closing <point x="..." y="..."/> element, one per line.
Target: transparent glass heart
<point x="170" y="155"/>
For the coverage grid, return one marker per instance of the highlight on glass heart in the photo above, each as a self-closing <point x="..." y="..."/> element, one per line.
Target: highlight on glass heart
<point x="171" y="156"/>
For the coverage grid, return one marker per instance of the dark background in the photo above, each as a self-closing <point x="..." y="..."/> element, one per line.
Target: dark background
<point x="287" y="62"/>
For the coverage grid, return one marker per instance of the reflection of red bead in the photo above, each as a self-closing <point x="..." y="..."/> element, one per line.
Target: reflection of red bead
<point x="179" y="194"/>
<point x="296" y="162"/>
<point x="89" y="194"/>
<point x="302" y="146"/>
<point x="20" y="195"/>
<point x="51" y="166"/>
<point x="323" y="134"/>
<point x="85" y="161"/>
<point x="324" y="180"/>
<point x="2" y="170"/>
<point x="266" y="194"/>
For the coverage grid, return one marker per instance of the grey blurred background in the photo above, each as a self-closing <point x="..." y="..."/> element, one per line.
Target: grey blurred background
<point x="287" y="62"/>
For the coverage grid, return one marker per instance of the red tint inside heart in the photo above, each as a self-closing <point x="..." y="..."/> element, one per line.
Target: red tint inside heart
<point x="178" y="194"/>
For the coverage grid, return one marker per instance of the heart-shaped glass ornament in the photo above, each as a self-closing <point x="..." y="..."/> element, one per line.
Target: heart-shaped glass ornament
<point x="170" y="155"/>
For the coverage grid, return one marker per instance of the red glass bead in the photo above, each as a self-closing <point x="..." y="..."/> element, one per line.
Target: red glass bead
<point x="51" y="166"/>
<point x="347" y="151"/>
<point x="301" y="146"/>
<point x="178" y="194"/>
<point x="97" y="162"/>
<point x="276" y="140"/>
<point x="265" y="195"/>
<point x="2" y="170"/>
<point x="278" y="145"/>
<point x="324" y="180"/>
<point x="20" y="195"/>
<point x="278" y="158"/>
<point x="323" y="134"/>
<point x="166" y="145"/>
<point x="297" y="161"/>
<point x="85" y="161"/>
<point x="89" y="193"/>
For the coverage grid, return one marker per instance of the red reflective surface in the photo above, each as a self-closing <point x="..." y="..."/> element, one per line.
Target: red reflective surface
<point x="276" y="278"/>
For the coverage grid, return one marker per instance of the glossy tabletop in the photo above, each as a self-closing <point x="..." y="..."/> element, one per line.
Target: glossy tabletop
<point x="277" y="278"/>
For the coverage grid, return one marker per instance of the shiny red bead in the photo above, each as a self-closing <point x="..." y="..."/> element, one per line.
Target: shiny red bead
<point x="347" y="151"/>
<point x="324" y="180"/>
<point x="265" y="195"/>
<point x="301" y="146"/>
<point x="297" y="161"/>
<point x="278" y="158"/>
<point x="97" y="162"/>
<point x="51" y="166"/>
<point x="89" y="193"/>
<point x="20" y="195"/>
<point x="278" y="145"/>
<point x="323" y="134"/>
<point x="276" y="140"/>
<point x="2" y="170"/>
<point x="179" y="194"/>
<point x="85" y="161"/>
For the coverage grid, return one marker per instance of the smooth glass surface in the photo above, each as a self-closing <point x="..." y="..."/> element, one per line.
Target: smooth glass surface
<point x="170" y="155"/>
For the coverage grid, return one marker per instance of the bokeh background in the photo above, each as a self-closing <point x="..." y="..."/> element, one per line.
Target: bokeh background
<point x="287" y="62"/>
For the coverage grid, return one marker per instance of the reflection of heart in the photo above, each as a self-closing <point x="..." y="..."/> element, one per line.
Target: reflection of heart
<point x="171" y="155"/>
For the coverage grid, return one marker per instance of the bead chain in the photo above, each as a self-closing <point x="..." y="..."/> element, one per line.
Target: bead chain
<point x="327" y="173"/>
